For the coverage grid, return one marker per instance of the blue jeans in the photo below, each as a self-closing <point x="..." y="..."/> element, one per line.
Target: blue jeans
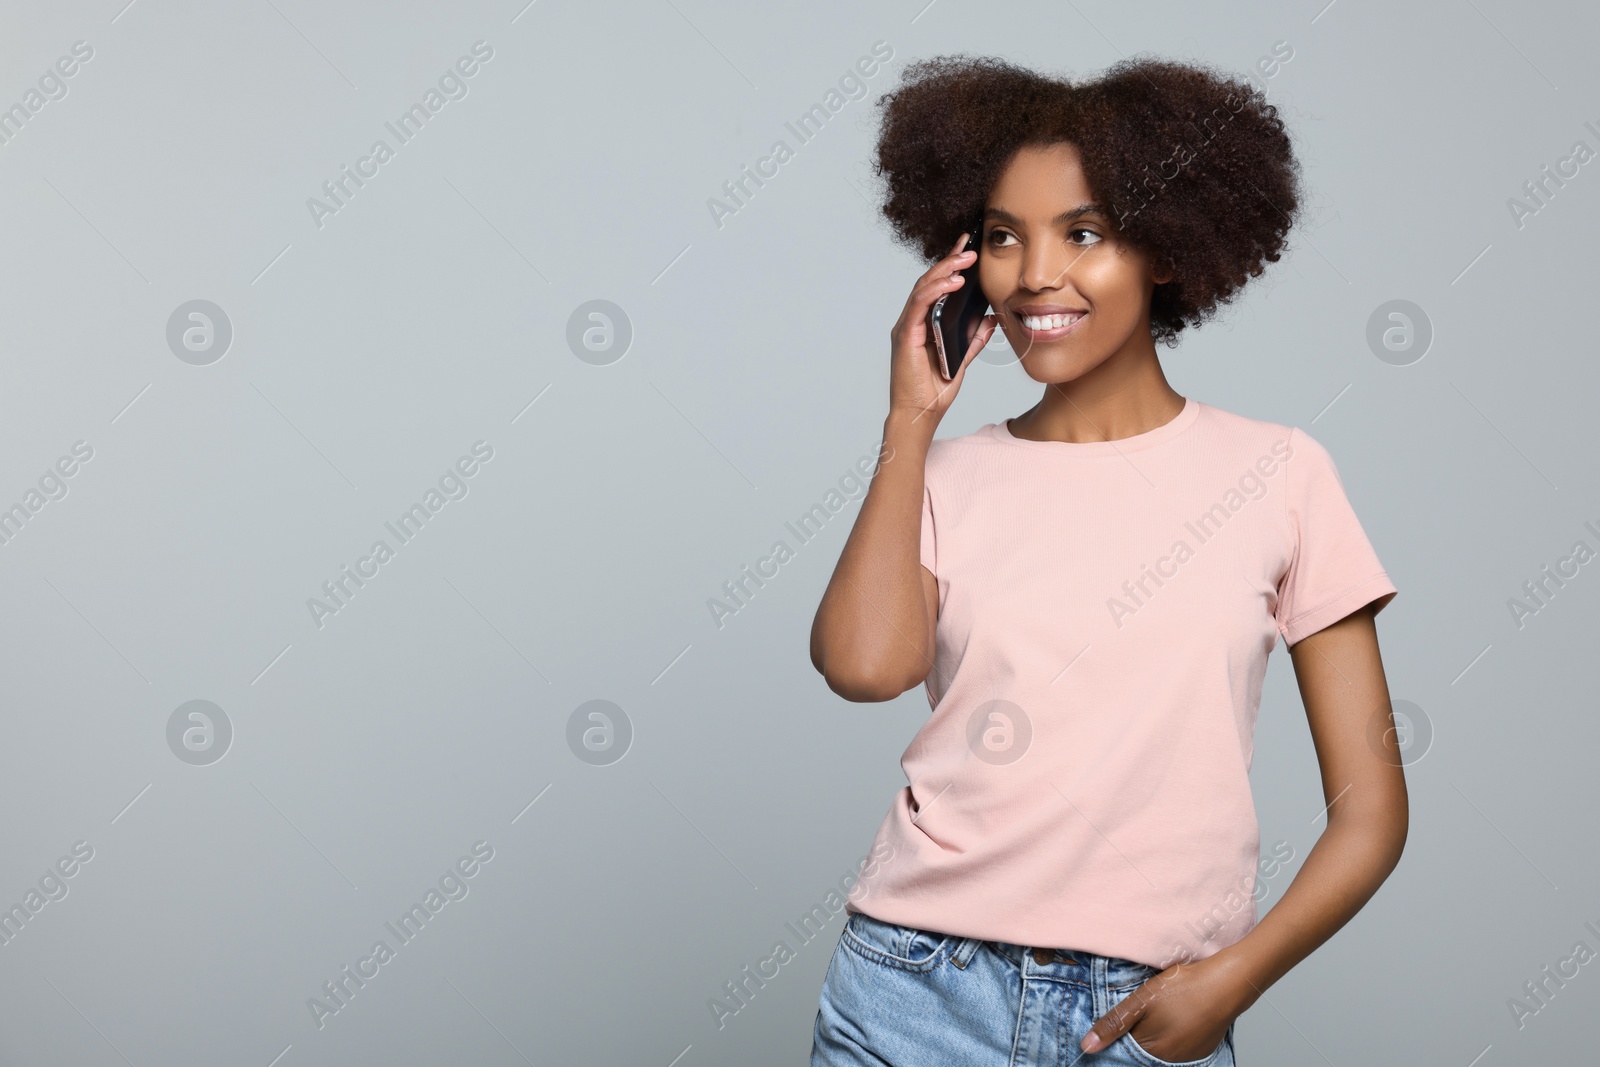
<point x="900" y="997"/>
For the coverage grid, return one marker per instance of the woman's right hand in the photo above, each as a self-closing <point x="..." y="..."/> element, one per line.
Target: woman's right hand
<point x="915" y="385"/>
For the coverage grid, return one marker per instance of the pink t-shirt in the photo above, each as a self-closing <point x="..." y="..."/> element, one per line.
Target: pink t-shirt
<point x="1105" y="614"/>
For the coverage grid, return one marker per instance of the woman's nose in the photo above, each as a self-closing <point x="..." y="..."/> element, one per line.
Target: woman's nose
<point x="1045" y="268"/>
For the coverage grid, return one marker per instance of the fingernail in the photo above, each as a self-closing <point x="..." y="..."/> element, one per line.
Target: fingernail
<point x="1091" y="1043"/>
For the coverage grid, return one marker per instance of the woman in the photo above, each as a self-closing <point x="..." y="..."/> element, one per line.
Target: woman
<point x="1091" y="596"/>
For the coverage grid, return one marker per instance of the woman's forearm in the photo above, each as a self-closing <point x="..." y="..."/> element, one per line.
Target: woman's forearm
<point x="1343" y="870"/>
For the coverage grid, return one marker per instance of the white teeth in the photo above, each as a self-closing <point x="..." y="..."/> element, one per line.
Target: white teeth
<point x="1048" y="322"/>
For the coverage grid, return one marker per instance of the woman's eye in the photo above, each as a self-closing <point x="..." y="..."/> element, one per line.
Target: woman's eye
<point x="1079" y="236"/>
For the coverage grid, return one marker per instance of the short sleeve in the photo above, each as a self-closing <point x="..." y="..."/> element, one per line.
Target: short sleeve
<point x="929" y="555"/>
<point x="1333" y="569"/>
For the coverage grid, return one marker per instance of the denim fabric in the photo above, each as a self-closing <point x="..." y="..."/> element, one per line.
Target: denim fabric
<point x="895" y="996"/>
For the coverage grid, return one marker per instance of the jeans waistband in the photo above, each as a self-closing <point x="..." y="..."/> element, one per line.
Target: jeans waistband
<point x="1085" y="967"/>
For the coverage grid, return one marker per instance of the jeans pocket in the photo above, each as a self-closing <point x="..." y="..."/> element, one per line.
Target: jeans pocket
<point x="1139" y="1054"/>
<point x="893" y="945"/>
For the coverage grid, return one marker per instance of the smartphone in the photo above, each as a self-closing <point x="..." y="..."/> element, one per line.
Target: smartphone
<point x="954" y="319"/>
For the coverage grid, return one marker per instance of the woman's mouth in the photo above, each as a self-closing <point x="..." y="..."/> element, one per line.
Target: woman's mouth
<point x="1037" y="328"/>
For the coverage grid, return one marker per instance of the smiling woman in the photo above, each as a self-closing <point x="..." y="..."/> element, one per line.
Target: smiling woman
<point x="1050" y="886"/>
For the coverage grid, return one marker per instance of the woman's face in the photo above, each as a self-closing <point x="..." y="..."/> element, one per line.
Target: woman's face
<point x="1048" y="251"/>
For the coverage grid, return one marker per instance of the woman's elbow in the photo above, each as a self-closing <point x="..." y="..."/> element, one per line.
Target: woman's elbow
<point x="864" y="686"/>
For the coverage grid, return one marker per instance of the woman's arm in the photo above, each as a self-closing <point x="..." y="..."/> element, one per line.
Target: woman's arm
<point x="872" y="638"/>
<point x="1342" y="683"/>
<point x="1344" y="689"/>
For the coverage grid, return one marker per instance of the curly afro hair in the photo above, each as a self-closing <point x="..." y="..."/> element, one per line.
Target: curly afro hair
<point x="1194" y="167"/>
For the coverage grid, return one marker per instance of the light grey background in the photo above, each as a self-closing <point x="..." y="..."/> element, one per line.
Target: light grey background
<point x="431" y="312"/>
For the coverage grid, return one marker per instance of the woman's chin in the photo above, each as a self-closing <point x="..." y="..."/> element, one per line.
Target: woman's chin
<point x="1055" y="368"/>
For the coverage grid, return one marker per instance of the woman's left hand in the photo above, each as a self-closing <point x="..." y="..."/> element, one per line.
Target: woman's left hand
<point x="1182" y="1013"/>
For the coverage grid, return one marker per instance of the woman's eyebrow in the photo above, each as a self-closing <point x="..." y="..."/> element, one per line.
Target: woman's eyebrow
<point x="1002" y="215"/>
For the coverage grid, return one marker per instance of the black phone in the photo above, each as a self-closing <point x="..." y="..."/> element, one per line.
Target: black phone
<point x="954" y="319"/>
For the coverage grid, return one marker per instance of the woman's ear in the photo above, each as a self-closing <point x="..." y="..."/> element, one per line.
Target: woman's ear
<point x="1162" y="273"/>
